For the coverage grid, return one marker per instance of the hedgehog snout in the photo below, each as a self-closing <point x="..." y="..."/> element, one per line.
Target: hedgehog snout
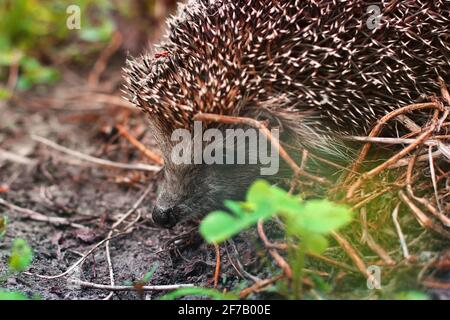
<point x="164" y="217"/>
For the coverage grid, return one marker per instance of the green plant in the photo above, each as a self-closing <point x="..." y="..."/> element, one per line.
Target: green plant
<point x="307" y="223"/>
<point x="21" y="255"/>
<point x="411" y="295"/>
<point x="20" y="258"/>
<point x="34" y="30"/>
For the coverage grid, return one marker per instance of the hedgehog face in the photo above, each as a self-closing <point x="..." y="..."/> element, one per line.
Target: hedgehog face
<point x="191" y="191"/>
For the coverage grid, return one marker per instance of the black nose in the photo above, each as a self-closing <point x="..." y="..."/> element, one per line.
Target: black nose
<point x="164" y="217"/>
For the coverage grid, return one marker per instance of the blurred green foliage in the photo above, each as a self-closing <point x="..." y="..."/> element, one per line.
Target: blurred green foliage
<point x="20" y="258"/>
<point x="34" y="33"/>
<point x="307" y="223"/>
<point x="21" y="255"/>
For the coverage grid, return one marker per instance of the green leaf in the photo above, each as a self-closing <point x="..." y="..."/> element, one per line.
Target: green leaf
<point x="318" y="216"/>
<point x="5" y="94"/>
<point x="5" y="295"/>
<point x="238" y="208"/>
<point x="21" y="255"/>
<point x="197" y="291"/>
<point x="314" y="243"/>
<point x="219" y="226"/>
<point x="148" y="276"/>
<point x="411" y="295"/>
<point x="259" y="191"/>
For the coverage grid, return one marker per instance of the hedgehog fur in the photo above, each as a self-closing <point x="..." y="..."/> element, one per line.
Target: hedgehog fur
<point x="317" y="67"/>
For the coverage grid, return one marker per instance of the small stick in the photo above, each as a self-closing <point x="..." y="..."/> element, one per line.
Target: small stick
<point x="430" y="283"/>
<point x="433" y="178"/>
<point x="10" y="156"/>
<point x="331" y="261"/>
<point x="444" y="90"/>
<point x="105" y="55"/>
<point x="405" y="161"/>
<point x="401" y="237"/>
<point x="390" y="140"/>
<point x="394" y="158"/>
<point x="13" y="73"/>
<point x="370" y="198"/>
<point x="95" y="160"/>
<point x="240" y="268"/>
<point x="110" y="269"/>
<point x="217" y="270"/>
<point x="438" y="214"/>
<point x="294" y="182"/>
<point x="377" y="129"/>
<point x="37" y="216"/>
<point x="259" y="285"/>
<point x="372" y="243"/>
<point x="351" y="252"/>
<point x="114" y="226"/>
<point x="422" y="218"/>
<point x="154" y="157"/>
<point x="91" y="285"/>
<point x="273" y="252"/>
<point x="107" y="99"/>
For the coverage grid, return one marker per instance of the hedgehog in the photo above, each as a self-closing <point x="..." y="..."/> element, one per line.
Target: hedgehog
<point x="317" y="70"/>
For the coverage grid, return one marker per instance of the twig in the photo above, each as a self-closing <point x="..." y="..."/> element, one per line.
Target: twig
<point x="377" y="129"/>
<point x="394" y="158"/>
<point x="147" y="152"/>
<point x="10" y="156"/>
<point x="100" y="64"/>
<point x="422" y="218"/>
<point x="78" y="262"/>
<point x="240" y="268"/>
<point x="405" y="161"/>
<point x="438" y="214"/>
<point x="217" y="269"/>
<point x="85" y="284"/>
<point x="401" y="237"/>
<point x="273" y="252"/>
<point x="114" y="226"/>
<point x="351" y="252"/>
<point x="370" y="198"/>
<point x="36" y="216"/>
<point x="372" y="243"/>
<point x="110" y="269"/>
<point x="13" y="73"/>
<point x="95" y="160"/>
<point x="108" y="99"/>
<point x="332" y="262"/>
<point x="259" y="285"/>
<point x="430" y="283"/>
<point x="433" y="178"/>
<point x="384" y="140"/>
<point x="303" y="162"/>
<point x="444" y="90"/>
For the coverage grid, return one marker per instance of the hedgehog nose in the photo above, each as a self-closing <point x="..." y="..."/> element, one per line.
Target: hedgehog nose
<point x="163" y="217"/>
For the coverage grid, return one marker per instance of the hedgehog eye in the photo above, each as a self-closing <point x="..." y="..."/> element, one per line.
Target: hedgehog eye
<point x="272" y="120"/>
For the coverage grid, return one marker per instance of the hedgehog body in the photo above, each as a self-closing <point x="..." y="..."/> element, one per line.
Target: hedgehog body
<point x="322" y="69"/>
